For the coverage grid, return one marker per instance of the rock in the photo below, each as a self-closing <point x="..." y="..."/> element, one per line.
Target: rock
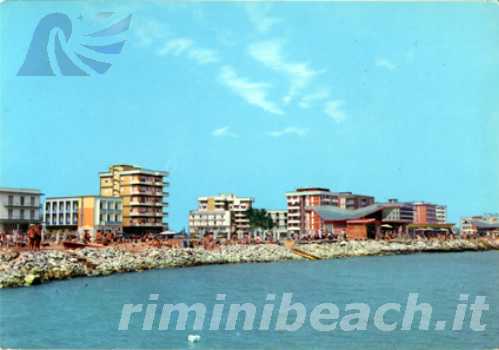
<point x="31" y="279"/>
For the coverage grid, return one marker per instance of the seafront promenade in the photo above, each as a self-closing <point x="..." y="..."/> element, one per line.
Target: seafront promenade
<point x="26" y="268"/>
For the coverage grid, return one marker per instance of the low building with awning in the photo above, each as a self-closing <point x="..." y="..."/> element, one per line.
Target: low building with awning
<point x="376" y="221"/>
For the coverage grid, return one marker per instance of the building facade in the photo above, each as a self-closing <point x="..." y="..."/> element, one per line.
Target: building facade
<point x="217" y="221"/>
<point x="348" y="200"/>
<point x="216" y="213"/>
<point x="480" y="225"/>
<point x="83" y="214"/>
<point x="144" y="197"/>
<point x="303" y="221"/>
<point x="280" y="221"/>
<point x="19" y="208"/>
<point x="441" y="214"/>
<point x="429" y="213"/>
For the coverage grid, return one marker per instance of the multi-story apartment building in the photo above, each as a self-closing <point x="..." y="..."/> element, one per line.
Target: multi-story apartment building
<point x="19" y="208"/>
<point x="429" y="213"/>
<point x="441" y="214"/>
<point x="302" y="220"/>
<point x="83" y="214"/>
<point x="348" y="200"/>
<point x="210" y="207"/>
<point x="480" y="225"/>
<point x="217" y="221"/>
<point x="143" y="193"/>
<point x="399" y="211"/>
<point x="280" y="220"/>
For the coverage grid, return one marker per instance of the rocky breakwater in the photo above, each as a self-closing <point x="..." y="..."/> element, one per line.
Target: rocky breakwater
<point x="369" y="248"/>
<point x="27" y="268"/>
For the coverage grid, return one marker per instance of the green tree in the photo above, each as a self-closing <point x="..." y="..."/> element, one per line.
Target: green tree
<point x="259" y="219"/>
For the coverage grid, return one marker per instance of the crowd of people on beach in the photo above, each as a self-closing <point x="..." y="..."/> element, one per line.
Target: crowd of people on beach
<point x="33" y="239"/>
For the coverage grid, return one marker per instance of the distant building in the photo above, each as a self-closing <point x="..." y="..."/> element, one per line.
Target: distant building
<point x="375" y="221"/>
<point x="83" y="214"/>
<point x="302" y="221"/>
<point x="429" y="213"/>
<point x="217" y="221"/>
<point x="400" y="212"/>
<point x="441" y="214"/>
<point x="216" y="213"/>
<point x="348" y="200"/>
<point x="480" y="225"/>
<point x="280" y="221"/>
<point x="143" y="194"/>
<point x="372" y="222"/>
<point x="19" y="208"/>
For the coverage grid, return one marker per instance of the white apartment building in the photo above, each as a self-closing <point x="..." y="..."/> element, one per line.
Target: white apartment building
<point x="280" y="220"/>
<point x="228" y="209"/>
<point x="84" y="214"/>
<point x="441" y="214"/>
<point x="216" y="221"/>
<point x="19" y="208"/>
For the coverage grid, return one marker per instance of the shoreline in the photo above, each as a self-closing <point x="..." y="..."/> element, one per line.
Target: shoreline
<point x="26" y="268"/>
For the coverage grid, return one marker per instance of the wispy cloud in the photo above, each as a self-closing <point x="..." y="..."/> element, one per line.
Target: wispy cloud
<point x="255" y="93"/>
<point x="333" y="109"/>
<point x="260" y="17"/>
<point x="386" y="64"/>
<point x="147" y="31"/>
<point x="224" y="132"/>
<point x="309" y="100"/>
<point x="289" y="131"/>
<point x="186" y="46"/>
<point x="176" y="46"/>
<point x="270" y="54"/>
<point x="204" y="56"/>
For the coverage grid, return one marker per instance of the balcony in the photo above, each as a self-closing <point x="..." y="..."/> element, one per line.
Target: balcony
<point x="144" y="192"/>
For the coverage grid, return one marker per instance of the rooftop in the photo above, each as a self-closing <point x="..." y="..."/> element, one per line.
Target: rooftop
<point x="20" y="190"/>
<point x="329" y="212"/>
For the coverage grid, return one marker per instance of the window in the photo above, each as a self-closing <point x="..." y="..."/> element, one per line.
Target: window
<point x="22" y="200"/>
<point x="32" y="200"/>
<point x="22" y="214"/>
<point x="11" y="199"/>
<point x="10" y="213"/>
<point x="32" y="214"/>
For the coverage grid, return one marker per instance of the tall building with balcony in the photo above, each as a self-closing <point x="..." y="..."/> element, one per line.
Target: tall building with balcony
<point x="19" y="208"/>
<point x="83" y="214"/>
<point x="441" y="214"/>
<point x="144" y="196"/>
<point x="429" y="213"/>
<point x="302" y="220"/>
<point x="280" y="221"/>
<point x="225" y="214"/>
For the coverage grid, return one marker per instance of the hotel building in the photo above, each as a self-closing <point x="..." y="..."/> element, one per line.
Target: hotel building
<point x="280" y="220"/>
<point x="19" y="208"/>
<point x="143" y="196"/>
<point x="217" y="221"/>
<point x="428" y="213"/>
<point x="224" y="215"/>
<point x="302" y="220"/>
<point x="84" y="214"/>
<point x="441" y="214"/>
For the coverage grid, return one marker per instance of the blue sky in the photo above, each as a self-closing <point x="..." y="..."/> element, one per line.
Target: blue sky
<point x="388" y="99"/>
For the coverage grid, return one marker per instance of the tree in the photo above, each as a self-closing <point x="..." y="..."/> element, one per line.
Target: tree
<point x="260" y="219"/>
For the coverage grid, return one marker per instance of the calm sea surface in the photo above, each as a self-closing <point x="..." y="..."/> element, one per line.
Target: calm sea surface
<point x="85" y="312"/>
